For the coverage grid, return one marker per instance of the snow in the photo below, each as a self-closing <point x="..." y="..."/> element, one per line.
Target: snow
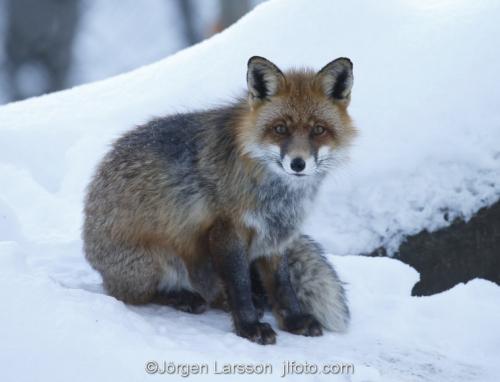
<point x="57" y="324"/>
<point x="425" y="100"/>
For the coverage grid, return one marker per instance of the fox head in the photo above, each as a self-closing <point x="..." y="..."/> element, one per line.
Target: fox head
<point x="298" y="123"/>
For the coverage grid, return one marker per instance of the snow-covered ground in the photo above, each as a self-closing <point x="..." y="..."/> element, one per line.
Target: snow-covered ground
<point x="425" y="100"/>
<point x="56" y="324"/>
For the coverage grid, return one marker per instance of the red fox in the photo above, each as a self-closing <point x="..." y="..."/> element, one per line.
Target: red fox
<point x="182" y="207"/>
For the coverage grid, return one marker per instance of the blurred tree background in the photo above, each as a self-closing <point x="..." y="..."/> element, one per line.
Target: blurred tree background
<point x="49" y="45"/>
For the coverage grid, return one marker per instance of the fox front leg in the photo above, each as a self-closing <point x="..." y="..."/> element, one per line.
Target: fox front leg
<point x="286" y="307"/>
<point x="228" y="255"/>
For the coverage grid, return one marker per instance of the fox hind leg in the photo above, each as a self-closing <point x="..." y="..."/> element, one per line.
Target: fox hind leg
<point x="129" y="274"/>
<point x="184" y="300"/>
<point x="140" y="275"/>
<point x="175" y="288"/>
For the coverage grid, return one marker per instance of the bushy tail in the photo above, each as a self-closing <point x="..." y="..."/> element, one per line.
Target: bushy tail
<point x="318" y="288"/>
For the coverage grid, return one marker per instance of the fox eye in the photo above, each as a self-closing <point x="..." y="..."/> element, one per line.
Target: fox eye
<point x="280" y="129"/>
<point x="318" y="130"/>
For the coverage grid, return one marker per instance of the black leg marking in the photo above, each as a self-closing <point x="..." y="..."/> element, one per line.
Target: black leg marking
<point x="259" y="296"/>
<point x="276" y="277"/>
<point x="230" y="261"/>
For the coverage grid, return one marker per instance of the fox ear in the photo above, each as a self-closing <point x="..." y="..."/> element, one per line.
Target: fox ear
<point x="263" y="78"/>
<point x="337" y="79"/>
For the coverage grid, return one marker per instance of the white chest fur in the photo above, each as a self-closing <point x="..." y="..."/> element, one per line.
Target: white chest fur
<point x="279" y="215"/>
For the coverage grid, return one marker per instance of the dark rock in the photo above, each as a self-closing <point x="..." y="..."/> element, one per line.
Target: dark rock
<point x="454" y="254"/>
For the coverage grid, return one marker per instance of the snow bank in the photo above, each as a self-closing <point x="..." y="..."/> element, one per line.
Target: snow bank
<point x="426" y="102"/>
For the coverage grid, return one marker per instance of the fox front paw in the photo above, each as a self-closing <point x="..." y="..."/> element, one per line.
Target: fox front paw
<point x="258" y="332"/>
<point x="303" y="324"/>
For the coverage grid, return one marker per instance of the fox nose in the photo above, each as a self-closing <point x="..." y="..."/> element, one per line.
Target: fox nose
<point x="298" y="164"/>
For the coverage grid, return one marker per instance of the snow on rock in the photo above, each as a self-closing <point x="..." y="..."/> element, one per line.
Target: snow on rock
<point x="426" y="103"/>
